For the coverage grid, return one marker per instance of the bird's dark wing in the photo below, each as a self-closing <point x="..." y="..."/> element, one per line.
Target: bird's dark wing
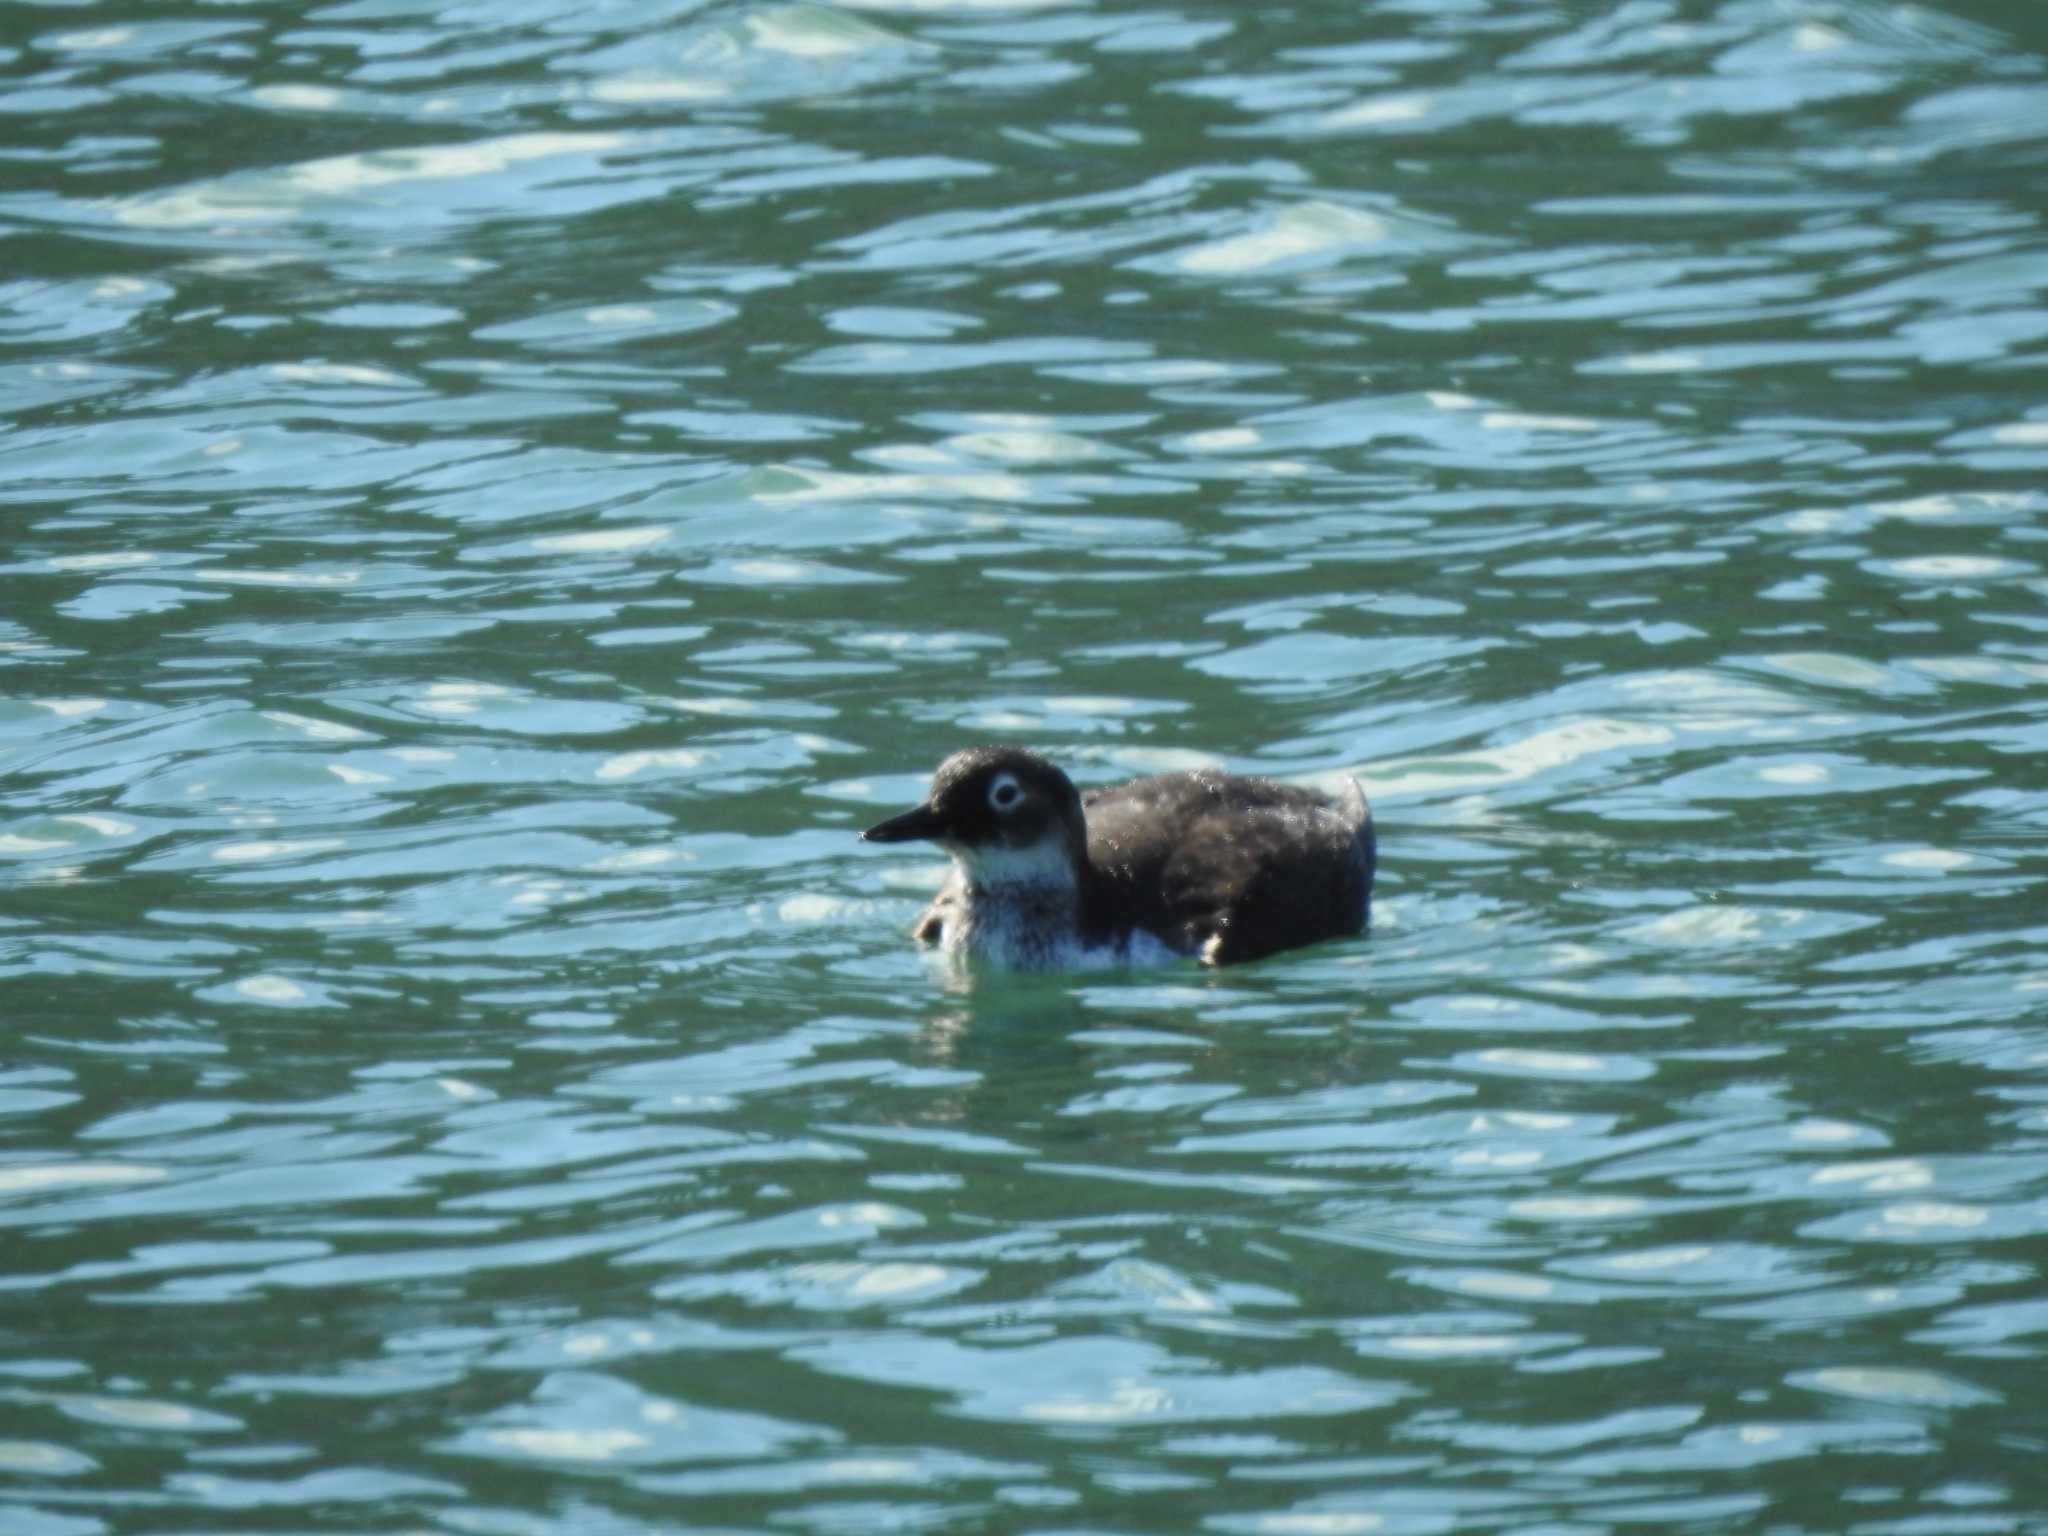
<point x="1232" y="869"/>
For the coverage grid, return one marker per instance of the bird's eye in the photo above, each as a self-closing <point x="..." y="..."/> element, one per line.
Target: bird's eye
<point x="1004" y="793"/>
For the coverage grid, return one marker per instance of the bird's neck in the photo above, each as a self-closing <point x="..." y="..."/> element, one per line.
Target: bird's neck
<point x="1043" y="874"/>
<point x="1027" y="906"/>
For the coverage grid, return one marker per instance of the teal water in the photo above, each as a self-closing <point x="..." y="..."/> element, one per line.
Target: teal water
<point x="497" y="495"/>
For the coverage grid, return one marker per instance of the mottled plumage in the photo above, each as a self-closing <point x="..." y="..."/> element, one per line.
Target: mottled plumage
<point x="1203" y="863"/>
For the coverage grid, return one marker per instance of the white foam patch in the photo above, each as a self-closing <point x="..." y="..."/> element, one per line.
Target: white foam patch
<point x="921" y="454"/>
<point x="1794" y="773"/>
<point x="1121" y="1402"/>
<point x="1145" y="760"/>
<point x="1813" y="520"/>
<point x="298" y="97"/>
<point x="1497" y="1283"/>
<point x="353" y="173"/>
<point x="874" y="1282"/>
<point x="1982" y="669"/>
<point x="92" y="41"/>
<point x="1661" y="362"/>
<point x="103" y="826"/>
<point x="1576" y="1208"/>
<point x="605" y="541"/>
<point x="637" y="858"/>
<point x="273" y="197"/>
<point x="16" y="842"/>
<point x="627" y="90"/>
<point x="568" y="1444"/>
<point x="829" y="485"/>
<point x="1938" y="505"/>
<point x="1940" y="860"/>
<point x="1542" y="1061"/>
<point x="1316" y="1522"/>
<point x="28" y="1179"/>
<point x="1823" y="1131"/>
<point x="1379" y="111"/>
<point x="1487" y="1157"/>
<point x="111" y="560"/>
<point x="1837" y="671"/>
<point x="1222" y="440"/>
<point x="1936" y="1213"/>
<point x="813" y="908"/>
<point x="1544" y="752"/>
<point x="1654" y="1260"/>
<point x="338" y="373"/>
<point x="1887" y="1176"/>
<point x="812" y="32"/>
<point x="317" y="730"/>
<point x="626" y="764"/>
<point x="143" y="1413"/>
<point x="252" y="852"/>
<point x="342" y="578"/>
<point x="1894" y="1385"/>
<point x="1535" y="1120"/>
<point x="773" y="570"/>
<point x="459" y="698"/>
<point x="271" y="989"/>
<point x="1704" y="925"/>
<point x="1951" y="567"/>
<point x="1517" y="421"/>
<point x="37" y="1459"/>
<point x="1024" y="447"/>
<point x="1307" y="229"/>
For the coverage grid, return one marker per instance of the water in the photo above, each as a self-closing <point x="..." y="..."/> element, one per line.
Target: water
<point x="497" y="495"/>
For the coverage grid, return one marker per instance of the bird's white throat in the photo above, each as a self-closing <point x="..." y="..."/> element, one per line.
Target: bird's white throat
<point x="1019" y="908"/>
<point x="1037" y="873"/>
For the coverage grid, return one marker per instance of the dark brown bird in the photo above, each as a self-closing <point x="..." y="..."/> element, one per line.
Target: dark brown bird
<point x="1207" y="864"/>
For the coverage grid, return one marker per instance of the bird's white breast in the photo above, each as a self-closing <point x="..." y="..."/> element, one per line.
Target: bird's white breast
<point x="1021" y="910"/>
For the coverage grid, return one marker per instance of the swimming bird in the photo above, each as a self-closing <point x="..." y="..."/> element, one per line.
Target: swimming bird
<point x="1208" y="864"/>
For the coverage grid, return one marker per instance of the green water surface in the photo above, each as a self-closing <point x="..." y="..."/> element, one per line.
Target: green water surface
<point x="495" y="496"/>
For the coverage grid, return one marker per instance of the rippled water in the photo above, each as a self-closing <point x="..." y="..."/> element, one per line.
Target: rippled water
<point x="497" y="494"/>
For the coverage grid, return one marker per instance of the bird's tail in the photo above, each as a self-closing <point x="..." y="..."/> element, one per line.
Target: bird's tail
<point x="1366" y="841"/>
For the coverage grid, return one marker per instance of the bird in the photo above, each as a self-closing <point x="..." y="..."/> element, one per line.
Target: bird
<point x="1201" y="863"/>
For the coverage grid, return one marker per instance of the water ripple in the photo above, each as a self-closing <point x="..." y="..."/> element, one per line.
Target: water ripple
<point x="499" y="496"/>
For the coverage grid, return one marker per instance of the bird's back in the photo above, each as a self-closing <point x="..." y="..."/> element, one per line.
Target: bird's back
<point x="1231" y="868"/>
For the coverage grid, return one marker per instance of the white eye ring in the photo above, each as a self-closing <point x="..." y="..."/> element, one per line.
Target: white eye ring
<point x="1004" y="792"/>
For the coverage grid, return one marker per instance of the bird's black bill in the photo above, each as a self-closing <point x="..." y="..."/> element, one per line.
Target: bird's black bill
<point x="923" y="823"/>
